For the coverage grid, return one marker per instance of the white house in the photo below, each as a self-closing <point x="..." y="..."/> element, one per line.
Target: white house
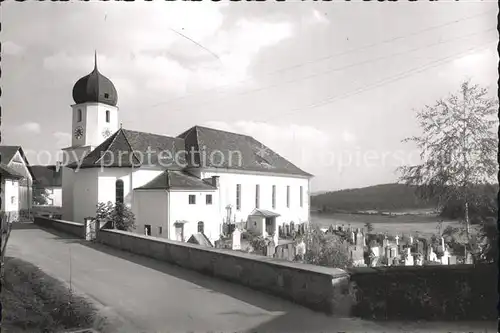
<point x="49" y="178"/>
<point x="10" y="192"/>
<point x="176" y="186"/>
<point x="13" y="158"/>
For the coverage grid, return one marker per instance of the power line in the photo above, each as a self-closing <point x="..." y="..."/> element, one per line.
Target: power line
<point x="310" y="76"/>
<point x="388" y="80"/>
<point x="336" y="69"/>
<point x="323" y="58"/>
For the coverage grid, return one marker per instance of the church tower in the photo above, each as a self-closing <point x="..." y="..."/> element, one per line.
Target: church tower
<point x="95" y="114"/>
<point x="94" y="119"/>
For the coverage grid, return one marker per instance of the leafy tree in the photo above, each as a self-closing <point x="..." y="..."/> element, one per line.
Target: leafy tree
<point x="325" y="249"/>
<point x="40" y="196"/>
<point x="120" y="216"/>
<point x="458" y="149"/>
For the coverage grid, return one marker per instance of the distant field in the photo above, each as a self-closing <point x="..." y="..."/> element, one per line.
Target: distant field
<point x="400" y="224"/>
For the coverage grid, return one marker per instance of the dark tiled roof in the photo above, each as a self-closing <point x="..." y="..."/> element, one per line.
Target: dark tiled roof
<point x="127" y="148"/>
<point x="47" y="175"/>
<point x="263" y="213"/>
<point x="229" y="151"/>
<point x="7" y="153"/>
<point x="176" y="180"/>
<point x="235" y="151"/>
<point x="200" y="239"/>
<point x="9" y="173"/>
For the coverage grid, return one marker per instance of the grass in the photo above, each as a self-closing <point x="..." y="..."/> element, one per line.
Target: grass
<point x="34" y="302"/>
<point x="422" y="224"/>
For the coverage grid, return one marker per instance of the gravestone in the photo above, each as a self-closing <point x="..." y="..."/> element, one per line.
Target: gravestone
<point x="236" y="244"/>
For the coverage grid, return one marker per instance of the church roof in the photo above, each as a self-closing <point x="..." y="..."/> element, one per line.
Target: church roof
<point x="127" y="148"/>
<point x="197" y="147"/>
<point x="235" y="151"/>
<point x="95" y="87"/>
<point x="176" y="180"/>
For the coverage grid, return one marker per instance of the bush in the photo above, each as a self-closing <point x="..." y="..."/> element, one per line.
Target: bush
<point x="326" y="249"/>
<point x="121" y="217"/>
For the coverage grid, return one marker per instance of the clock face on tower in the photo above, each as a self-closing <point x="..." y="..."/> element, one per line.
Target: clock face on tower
<point x="106" y="133"/>
<point x="79" y="132"/>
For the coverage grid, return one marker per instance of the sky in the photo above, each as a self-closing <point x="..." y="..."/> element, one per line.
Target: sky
<point x="333" y="87"/>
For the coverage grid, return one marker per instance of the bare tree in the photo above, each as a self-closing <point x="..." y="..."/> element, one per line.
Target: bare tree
<point x="458" y="148"/>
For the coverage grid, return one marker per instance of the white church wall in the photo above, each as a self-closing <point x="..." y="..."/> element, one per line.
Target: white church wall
<point x="68" y="179"/>
<point x="181" y="210"/>
<point x="85" y="194"/>
<point x="150" y="207"/>
<point x="295" y="213"/>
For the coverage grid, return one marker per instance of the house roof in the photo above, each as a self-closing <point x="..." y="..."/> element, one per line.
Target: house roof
<point x="263" y="213"/>
<point x="7" y="153"/>
<point x="176" y="180"/>
<point x="200" y="239"/>
<point x="47" y="175"/>
<point x="9" y="173"/>
<point x="126" y="148"/>
<point x="235" y="151"/>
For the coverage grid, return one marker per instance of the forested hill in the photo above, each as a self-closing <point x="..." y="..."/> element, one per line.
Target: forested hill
<point x="389" y="197"/>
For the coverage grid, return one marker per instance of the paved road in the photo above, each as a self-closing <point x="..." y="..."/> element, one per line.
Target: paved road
<point x="150" y="296"/>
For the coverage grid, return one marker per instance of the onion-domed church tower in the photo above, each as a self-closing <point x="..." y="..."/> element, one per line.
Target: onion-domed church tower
<point x="94" y="118"/>
<point x="95" y="114"/>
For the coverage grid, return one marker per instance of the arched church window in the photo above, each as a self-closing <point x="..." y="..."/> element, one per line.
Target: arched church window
<point x="107" y="116"/>
<point x="79" y="115"/>
<point x="119" y="191"/>
<point x="201" y="227"/>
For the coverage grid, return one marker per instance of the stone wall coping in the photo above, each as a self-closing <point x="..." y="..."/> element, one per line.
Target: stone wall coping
<point x="334" y="272"/>
<point x="76" y="224"/>
<point x="410" y="269"/>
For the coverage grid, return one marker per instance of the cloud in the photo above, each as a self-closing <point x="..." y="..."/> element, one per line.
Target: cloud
<point x="11" y="48"/>
<point x="472" y="59"/>
<point x="319" y="17"/>
<point x="299" y="143"/>
<point x="30" y="127"/>
<point x="63" y="139"/>
<point x="156" y="58"/>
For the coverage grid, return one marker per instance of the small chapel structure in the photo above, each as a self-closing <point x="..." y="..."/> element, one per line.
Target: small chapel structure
<point x="177" y="186"/>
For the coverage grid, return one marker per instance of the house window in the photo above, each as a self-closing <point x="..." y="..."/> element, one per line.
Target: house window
<point x="106" y="95"/>
<point x="274" y="196"/>
<point x="107" y="116"/>
<point x="147" y="230"/>
<point x="13" y="200"/>
<point x="301" y="196"/>
<point x="208" y="199"/>
<point x="288" y="196"/>
<point x="159" y="230"/>
<point x="257" y="195"/>
<point x="79" y="115"/>
<point x="238" y="196"/>
<point x="192" y="199"/>
<point x="201" y="227"/>
<point x="119" y="191"/>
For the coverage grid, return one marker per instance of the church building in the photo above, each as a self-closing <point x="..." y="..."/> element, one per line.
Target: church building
<point x="178" y="186"/>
